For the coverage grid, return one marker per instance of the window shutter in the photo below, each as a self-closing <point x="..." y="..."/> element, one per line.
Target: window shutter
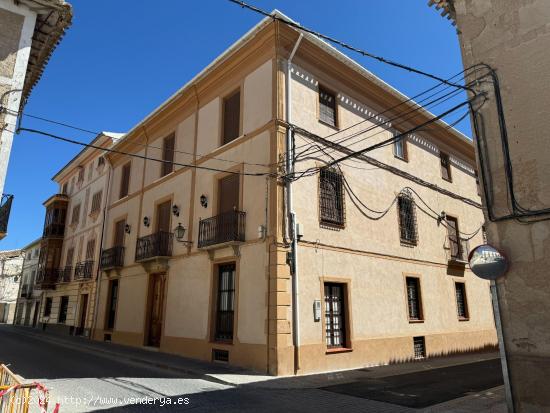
<point x="168" y="146"/>
<point x="96" y="202"/>
<point x="231" y="117"/>
<point x="163" y="216"/>
<point x="327" y="107"/>
<point x="90" y="249"/>
<point x="119" y="233"/>
<point x="445" y="166"/>
<point x="228" y="193"/>
<point x="125" y="180"/>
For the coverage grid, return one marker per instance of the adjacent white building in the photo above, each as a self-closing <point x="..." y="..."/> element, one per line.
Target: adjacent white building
<point x="11" y="264"/>
<point x="28" y="300"/>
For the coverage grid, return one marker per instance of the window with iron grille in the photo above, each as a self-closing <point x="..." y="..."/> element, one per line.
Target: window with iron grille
<point x="225" y="307"/>
<point x="419" y="344"/>
<point x="335" y="315"/>
<point x="461" y="303"/>
<point x="76" y="215"/>
<point x="48" y="306"/>
<point x="400" y="149"/>
<point x="63" y="307"/>
<point x="331" y="197"/>
<point x="125" y="180"/>
<point x="445" y="166"/>
<point x="220" y="355"/>
<point x="414" y="299"/>
<point x="407" y="219"/>
<point x="231" y="117"/>
<point x="327" y="107"/>
<point x="96" y="202"/>
<point x="168" y="145"/>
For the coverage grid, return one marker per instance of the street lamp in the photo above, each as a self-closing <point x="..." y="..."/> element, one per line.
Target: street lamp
<point x="179" y="233"/>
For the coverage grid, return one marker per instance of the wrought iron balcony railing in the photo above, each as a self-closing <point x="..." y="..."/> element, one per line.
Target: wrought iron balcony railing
<point x="83" y="270"/>
<point x="112" y="258"/>
<point x="5" y="209"/>
<point x="64" y="274"/>
<point x="155" y="245"/>
<point x="222" y="228"/>
<point x="46" y="278"/>
<point x="458" y="250"/>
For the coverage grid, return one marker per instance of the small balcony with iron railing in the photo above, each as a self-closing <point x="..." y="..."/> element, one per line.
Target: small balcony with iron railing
<point x="84" y="270"/>
<point x="112" y="258"/>
<point x="46" y="278"/>
<point x="457" y="250"/>
<point x="223" y="229"/>
<point x="154" y="246"/>
<point x="64" y="274"/>
<point x="5" y="209"/>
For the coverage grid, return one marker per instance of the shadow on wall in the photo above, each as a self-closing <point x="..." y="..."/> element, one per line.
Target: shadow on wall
<point x="485" y="348"/>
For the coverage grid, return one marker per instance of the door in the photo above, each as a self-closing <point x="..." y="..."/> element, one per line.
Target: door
<point x="28" y="308"/>
<point x="119" y="233"/>
<point x="452" y="230"/>
<point x="36" y="311"/>
<point x="156" y="306"/>
<point x="83" y="312"/>
<point x="228" y="193"/>
<point x="162" y="247"/>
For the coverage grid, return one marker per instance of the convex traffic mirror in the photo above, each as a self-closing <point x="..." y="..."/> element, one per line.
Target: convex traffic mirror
<point x="487" y="262"/>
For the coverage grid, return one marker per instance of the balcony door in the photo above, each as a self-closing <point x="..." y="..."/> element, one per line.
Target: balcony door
<point x="228" y="193"/>
<point x="163" y="217"/>
<point x="119" y="233"/>
<point x="156" y="306"/>
<point x="454" y="242"/>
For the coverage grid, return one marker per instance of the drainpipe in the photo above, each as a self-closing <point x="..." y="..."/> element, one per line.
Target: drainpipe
<point x="290" y="211"/>
<point x="98" y="274"/>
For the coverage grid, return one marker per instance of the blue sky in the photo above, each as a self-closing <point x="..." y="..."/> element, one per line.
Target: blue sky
<point x="121" y="59"/>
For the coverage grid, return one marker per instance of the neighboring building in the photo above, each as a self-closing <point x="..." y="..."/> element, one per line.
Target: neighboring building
<point x="29" y="32"/>
<point x="28" y="301"/>
<point x="513" y="38"/>
<point x="371" y="291"/>
<point x="70" y="246"/>
<point x="11" y="263"/>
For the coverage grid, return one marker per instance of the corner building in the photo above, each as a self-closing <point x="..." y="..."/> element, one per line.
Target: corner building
<point x="194" y="257"/>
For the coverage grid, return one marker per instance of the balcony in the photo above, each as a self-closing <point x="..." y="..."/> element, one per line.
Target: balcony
<point x="112" y="258"/>
<point x="84" y="270"/>
<point x="458" y="250"/>
<point x="5" y="209"/>
<point x="54" y="230"/>
<point x="157" y="245"/>
<point x="222" y="229"/>
<point x="46" y="278"/>
<point x="64" y="274"/>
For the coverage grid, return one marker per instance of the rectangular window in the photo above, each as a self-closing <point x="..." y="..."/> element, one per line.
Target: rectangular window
<point x="90" y="249"/>
<point x="76" y="215"/>
<point x="455" y="244"/>
<point x="225" y="303"/>
<point x="407" y="219"/>
<point x="111" y="305"/>
<point x="414" y="298"/>
<point x="168" y="145"/>
<point x="445" y="166"/>
<point x="400" y="149"/>
<point x="125" y="180"/>
<point x="327" y="107"/>
<point x="69" y="258"/>
<point x="478" y="185"/>
<point x="100" y="161"/>
<point x="65" y="188"/>
<point x="96" y="202"/>
<point x="331" y="197"/>
<point x="231" y="117"/>
<point x="461" y="302"/>
<point x="63" y="307"/>
<point x="335" y="315"/>
<point x="419" y="346"/>
<point x="80" y="173"/>
<point x="48" y="306"/>
<point x="120" y="227"/>
<point x="90" y="171"/>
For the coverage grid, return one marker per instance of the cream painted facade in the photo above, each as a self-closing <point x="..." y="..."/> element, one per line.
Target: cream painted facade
<point x="169" y="299"/>
<point x="29" y="298"/>
<point x="83" y="183"/>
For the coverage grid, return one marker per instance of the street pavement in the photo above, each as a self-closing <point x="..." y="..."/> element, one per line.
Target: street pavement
<point x="85" y="375"/>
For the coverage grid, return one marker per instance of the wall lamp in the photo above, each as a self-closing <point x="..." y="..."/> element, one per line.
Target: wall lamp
<point x="176" y="210"/>
<point x="146" y="221"/>
<point x="179" y="234"/>
<point x="204" y="201"/>
<point x="127" y="228"/>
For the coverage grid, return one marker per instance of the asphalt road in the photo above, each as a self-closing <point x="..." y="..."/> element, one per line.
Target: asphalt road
<point x="83" y="380"/>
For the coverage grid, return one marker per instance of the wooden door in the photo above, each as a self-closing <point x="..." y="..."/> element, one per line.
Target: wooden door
<point x="228" y="193"/>
<point x="452" y="230"/>
<point x="163" y="216"/>
<point x="156" y="306"/>
<point x="119" y="233"/>
<point x="36" y="311"/>
<point x="83" y="312"/>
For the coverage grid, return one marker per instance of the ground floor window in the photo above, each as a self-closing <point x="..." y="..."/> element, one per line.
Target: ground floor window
<point x="111" y="305"/>
<point x="414" y="298"/>
<point x="335" y="315"/>
<point x="63" y="307"/>
<point x="225" y="303"/>
<point x="461" y="303"/>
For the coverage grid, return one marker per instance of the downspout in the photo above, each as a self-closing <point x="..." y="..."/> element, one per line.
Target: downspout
<point x="290" y="211"/>
<point x="98" y="274"/>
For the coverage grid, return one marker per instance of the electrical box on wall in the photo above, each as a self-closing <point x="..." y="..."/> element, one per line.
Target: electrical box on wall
<point x="317" y="310"/>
